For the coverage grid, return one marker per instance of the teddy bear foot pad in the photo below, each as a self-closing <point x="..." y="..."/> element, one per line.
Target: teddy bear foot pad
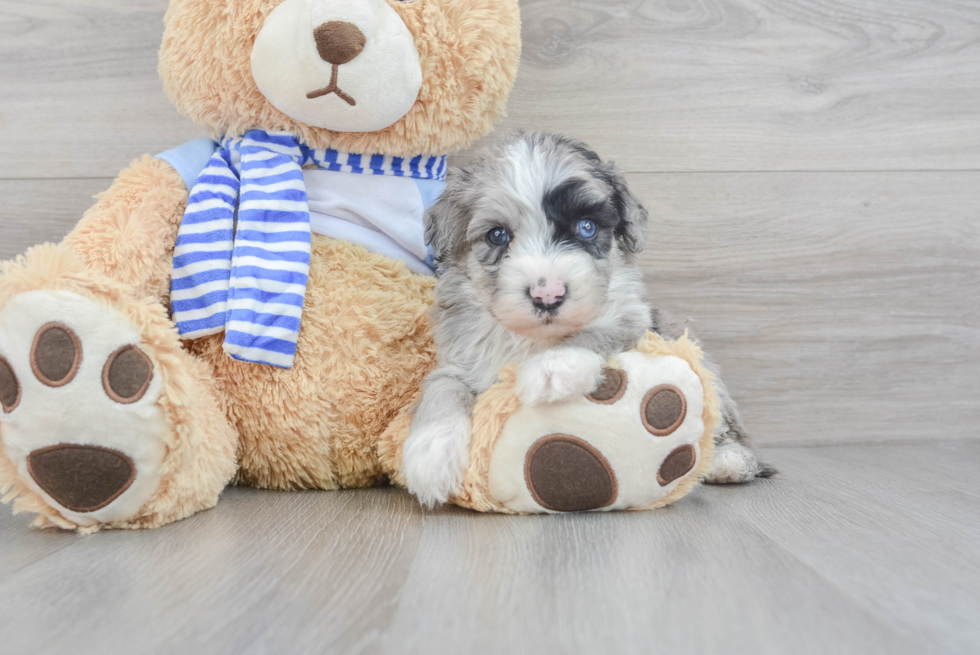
<point x="80" y="420"/>
<point x="629" y="444"/>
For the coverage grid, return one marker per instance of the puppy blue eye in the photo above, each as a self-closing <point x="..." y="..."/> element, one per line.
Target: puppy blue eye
<point x="498" y="236"/>
<point x="586" y="229"/>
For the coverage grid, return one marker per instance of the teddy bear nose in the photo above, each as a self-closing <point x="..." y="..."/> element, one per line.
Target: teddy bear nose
<point x="338" y="41"/>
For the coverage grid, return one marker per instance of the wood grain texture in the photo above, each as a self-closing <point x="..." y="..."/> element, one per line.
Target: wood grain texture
<point x="756" y="85"/>
<point x="840" y="306"/>
<point x="36" y="211"/>
<point x="898" y="531"/>
<point x="852" y="549"/>
<point x="660" y="85"/>
<point x="80" y="94"/>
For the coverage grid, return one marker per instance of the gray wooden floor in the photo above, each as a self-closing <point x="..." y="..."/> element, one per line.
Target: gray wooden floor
<point x="854" y="549"/>
<point x="813" y="172"/>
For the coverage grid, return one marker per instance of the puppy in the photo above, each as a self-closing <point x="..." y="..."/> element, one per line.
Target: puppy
<point x="536" y="245"/>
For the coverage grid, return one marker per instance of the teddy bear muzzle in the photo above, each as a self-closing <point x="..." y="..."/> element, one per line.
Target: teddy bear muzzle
<point x="357" y="71"/>
<point x="338" y="42"/>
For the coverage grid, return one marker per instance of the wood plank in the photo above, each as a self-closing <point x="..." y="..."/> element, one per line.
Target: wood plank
<point x="22" y="546"/>
<point x="851" y="549"/>
<point x="689" y="579"/>
<point x="79" y="91"/>
<point x="686" y="85"/>
<point x="743" y="85"/>
<point x="35" y="211"/>
<point x="262" y="570"/>
<point x="897" y="538"/>
<point x="842" y="307"/>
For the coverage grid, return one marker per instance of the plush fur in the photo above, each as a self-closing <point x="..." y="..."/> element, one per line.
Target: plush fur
<point x="366" y="341"/>
<point x="469" y="51"/>
<point x="366" y="344"/>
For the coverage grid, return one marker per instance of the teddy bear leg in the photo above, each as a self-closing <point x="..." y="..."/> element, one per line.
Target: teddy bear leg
<point x="106" y="421"/>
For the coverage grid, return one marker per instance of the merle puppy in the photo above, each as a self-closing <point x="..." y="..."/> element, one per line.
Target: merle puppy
<point x="536" y="243"/>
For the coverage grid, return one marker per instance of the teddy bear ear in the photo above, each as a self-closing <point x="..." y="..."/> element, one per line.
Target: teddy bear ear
<point x="447" y="220"/>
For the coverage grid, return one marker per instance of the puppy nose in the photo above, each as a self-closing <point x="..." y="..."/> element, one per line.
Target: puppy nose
<point x="338" y="41"/>
<point x="548" y="294"/>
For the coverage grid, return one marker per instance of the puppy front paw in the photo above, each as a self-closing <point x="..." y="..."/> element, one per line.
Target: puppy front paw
<point x="435" y="456"/>
<point x="558" y="374"/>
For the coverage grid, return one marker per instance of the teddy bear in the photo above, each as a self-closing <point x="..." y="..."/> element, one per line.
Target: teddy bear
<point x="154" y="356"/>
<point x="253" y="308"/>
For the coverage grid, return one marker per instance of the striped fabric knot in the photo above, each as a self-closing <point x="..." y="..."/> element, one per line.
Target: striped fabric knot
<point x="250" y="282"/>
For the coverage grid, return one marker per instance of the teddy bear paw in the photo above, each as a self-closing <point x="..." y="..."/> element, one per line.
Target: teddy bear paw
<point x="80" y="420"/>
<point x="631" y="442"/>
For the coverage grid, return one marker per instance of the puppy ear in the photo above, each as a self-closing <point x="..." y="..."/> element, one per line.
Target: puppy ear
<point x="633" y="217"/>
<point x="447" y="220"/>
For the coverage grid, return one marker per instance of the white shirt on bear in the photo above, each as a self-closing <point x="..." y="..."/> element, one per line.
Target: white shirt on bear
<point x="380" y="212"/>
<point x="383" y="213"/>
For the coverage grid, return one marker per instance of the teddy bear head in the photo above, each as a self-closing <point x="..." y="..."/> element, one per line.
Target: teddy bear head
<point x="398" y="77"/>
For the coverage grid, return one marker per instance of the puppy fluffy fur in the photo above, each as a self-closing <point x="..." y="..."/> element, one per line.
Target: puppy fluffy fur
<point x="536" y="243"/>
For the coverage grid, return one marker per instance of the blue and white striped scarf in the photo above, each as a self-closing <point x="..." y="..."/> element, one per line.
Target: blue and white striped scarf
<point x="250" y="282"/>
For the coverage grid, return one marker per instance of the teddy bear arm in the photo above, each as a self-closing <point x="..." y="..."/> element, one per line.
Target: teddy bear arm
<point x="130" y="232"/>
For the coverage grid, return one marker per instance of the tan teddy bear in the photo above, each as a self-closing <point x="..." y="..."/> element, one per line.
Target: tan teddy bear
<point x="253" y="309"/>
<point x="109" y="419"/>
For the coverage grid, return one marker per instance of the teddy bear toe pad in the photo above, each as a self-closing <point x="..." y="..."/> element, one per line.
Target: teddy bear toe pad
<point x="80" y="417"/>
<point x="628" y="444"/>
<point x="81" y="478"/>
<point x="565" y="474"/>
<point x="9" y="387"/>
